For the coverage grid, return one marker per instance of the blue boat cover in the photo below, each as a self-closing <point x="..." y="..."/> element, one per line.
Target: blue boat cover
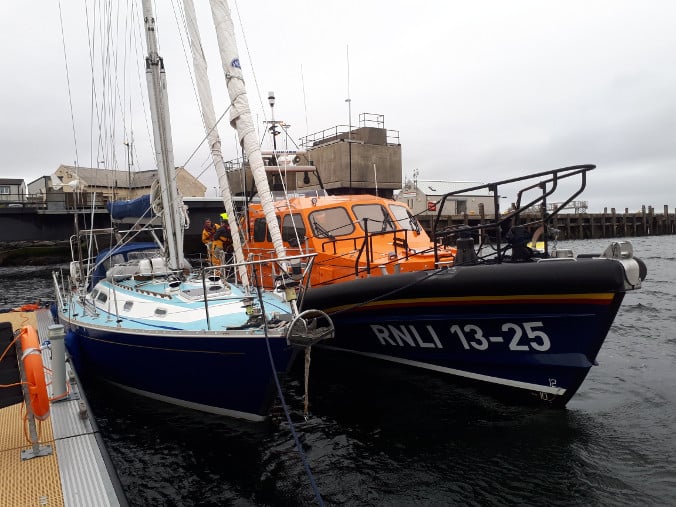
<point x="135" y="208"/>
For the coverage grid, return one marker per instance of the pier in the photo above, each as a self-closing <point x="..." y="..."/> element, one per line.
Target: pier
<point x="608" y="224"/>
<point x="60" y="460"/>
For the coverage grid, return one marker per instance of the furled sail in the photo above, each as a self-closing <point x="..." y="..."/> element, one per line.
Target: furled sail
<point x="240" y="116"/>
<point x="209" y="119"/>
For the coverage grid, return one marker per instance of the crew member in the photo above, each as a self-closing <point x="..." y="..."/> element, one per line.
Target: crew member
<point x="208" y="237"/>
<point x="223" y="241"/>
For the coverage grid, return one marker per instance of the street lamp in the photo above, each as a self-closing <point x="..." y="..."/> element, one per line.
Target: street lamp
<point x="273" y="125"/>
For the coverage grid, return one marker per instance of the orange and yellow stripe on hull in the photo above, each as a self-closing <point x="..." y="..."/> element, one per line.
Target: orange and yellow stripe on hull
<point x="604" y="298"/>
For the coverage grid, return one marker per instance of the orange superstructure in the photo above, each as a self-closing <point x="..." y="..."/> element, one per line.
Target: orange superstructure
<point x="353" y="236"/>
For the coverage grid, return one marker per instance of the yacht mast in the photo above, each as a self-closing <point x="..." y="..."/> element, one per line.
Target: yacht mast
<point x="164" y="156"/>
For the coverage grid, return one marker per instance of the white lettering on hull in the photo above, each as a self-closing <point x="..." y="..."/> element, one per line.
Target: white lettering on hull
<point x="514" y="337"/>
<point x="407" y="335"/>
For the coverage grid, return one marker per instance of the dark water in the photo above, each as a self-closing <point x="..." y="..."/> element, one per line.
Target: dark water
<point x="383" y="435"/>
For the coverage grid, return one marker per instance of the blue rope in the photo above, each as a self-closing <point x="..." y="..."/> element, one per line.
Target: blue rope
<point x="299" y="447"/>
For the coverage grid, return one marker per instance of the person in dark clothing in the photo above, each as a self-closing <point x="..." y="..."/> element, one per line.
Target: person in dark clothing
<point x="223" y="243"/>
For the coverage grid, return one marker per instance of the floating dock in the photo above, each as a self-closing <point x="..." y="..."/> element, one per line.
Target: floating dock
<point x="69" y="465"/>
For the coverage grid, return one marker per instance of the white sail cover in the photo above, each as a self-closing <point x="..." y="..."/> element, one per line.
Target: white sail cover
<point x="240" y="115"/>
<point x="209" y="119"/>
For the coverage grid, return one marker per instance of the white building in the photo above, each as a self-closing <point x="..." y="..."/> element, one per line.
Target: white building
<point x="423" y="196"/>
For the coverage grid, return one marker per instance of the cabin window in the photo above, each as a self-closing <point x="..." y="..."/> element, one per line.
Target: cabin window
<point x="127" y="306"/>
<point x="404" y="218"/>
<point x="160" y="312"/>
<point x="331" y="222"/>
<point x="378" y="219"/>
<point x="260" y="230"/>
<point x="113" y="260"/>
<point x="293" y="229"/>
<point x="144" y="254"/>
<point x="102" y="297"/>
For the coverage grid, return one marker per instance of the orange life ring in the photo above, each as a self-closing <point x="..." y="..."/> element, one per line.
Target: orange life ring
<point x="30" y="307"/>
<point x="35" y="373"/>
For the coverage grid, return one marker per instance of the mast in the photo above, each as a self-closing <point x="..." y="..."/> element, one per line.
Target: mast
<point x="209" y="119"/>
<point x="240" y="115"/>
<point x="166" y="172"/>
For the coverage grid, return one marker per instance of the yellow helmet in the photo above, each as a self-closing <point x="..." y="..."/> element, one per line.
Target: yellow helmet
<point x="224" y="216"/>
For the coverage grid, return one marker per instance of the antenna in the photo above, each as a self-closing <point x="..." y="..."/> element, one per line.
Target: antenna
<point x="302" y="78"/>
<point x="349" y="113"/>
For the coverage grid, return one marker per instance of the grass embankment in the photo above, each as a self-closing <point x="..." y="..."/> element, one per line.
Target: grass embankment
<point x="34" y="255"/>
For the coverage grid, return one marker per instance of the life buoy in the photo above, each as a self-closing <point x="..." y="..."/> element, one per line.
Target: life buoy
<point x="35" y="373"/>
<point x="30" y="307"/>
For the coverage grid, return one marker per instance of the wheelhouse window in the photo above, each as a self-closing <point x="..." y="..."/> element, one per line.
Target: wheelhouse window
<point x="404" y="218"/>
<point x="293" y="229"/>
<point x="331" y="222"/>
<point x="260" y="230"/>
<point x="378" y="219"/>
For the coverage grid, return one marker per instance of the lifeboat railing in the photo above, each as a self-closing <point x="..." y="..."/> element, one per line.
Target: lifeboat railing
<point x="366" y="248"/>
<point x="545" y="182"/>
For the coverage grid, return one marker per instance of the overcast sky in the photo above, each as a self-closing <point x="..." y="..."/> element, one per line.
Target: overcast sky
<point x="478" y="91"/>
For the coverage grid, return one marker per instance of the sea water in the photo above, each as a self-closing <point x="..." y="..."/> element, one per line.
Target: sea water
<point x="380" y="434"/>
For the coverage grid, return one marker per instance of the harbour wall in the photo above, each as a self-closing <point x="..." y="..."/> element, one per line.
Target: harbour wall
<point x="29" y="236"/>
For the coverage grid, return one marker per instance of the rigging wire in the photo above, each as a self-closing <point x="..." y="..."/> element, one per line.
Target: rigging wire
<point x="70" y="96"/>
<point x="259" y="95"/>
<point x="207" y="135"/>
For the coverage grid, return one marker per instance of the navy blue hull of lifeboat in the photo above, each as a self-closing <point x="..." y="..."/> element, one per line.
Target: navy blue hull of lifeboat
<point x="531" y="328"/>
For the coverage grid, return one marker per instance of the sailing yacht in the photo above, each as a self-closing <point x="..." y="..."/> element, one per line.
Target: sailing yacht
<point x="139" y="316"/>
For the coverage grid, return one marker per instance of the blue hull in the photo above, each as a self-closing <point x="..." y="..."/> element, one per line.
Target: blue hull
<point x="530" y="332"/>
<point x="222" y="375"/>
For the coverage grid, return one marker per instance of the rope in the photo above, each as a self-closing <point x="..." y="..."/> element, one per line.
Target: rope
<point x="70" y="96"/>
<point x="296" y="440"/>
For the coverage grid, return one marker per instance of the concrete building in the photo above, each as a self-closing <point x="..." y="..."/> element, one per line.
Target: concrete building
<point x="364" y="160"/>
<point x="361" y="160"/>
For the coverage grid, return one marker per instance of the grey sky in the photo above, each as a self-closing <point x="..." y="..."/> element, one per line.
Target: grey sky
<point x="477" y="90"/>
